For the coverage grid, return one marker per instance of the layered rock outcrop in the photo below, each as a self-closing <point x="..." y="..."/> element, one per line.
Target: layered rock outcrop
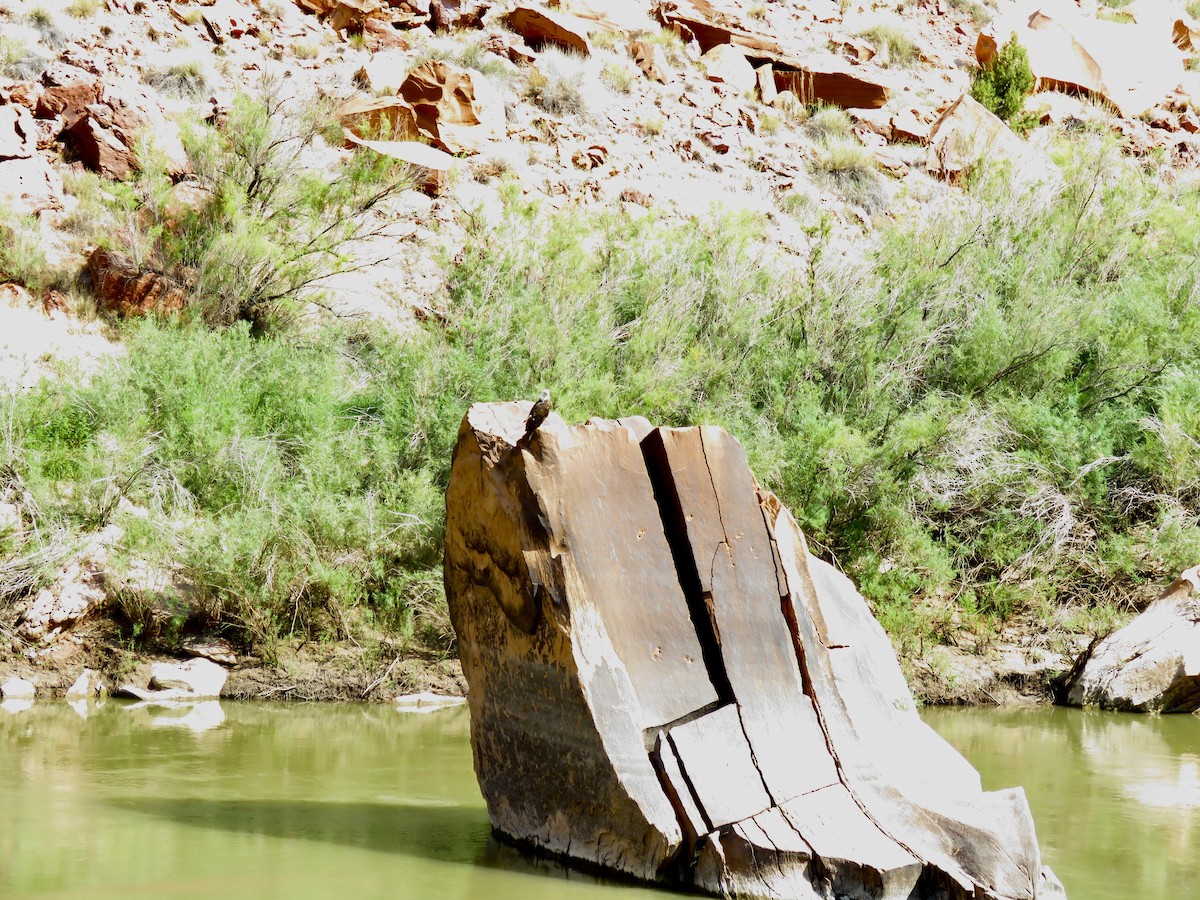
<point x="665" y="683"/>
<point x="1153" y="663"/>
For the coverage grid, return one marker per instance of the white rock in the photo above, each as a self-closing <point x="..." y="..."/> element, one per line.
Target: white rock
<point x="1153" y="663"/>
<point x="85" y="686"/>
<point x="196" y="677"/>
<point x="17" y="689"/>
<point x="728" y="65"/>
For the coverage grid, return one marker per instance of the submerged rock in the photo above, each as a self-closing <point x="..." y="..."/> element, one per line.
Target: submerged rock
<point x="1153" y="663"/>
<point x="426" y="701"/>
<point x="665" y="683"/>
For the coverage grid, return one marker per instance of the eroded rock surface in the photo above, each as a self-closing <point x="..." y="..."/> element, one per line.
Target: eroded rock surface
<point x="665" y="683"/>
<point x="1153" y="663"/>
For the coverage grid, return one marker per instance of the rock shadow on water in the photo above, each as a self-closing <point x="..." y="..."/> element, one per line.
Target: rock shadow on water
<point x="440" y="833"/>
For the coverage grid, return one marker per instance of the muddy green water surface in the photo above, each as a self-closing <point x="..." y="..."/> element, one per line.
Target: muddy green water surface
<point x="299" y="801"/>
<point x="1116" y="797"/>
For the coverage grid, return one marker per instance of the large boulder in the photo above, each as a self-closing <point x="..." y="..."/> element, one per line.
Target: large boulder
<point x="651" y="59"/>
<point x="18" y="133"/>
<point x="1153" y="663"/>
<point x="76" y="592"/>
<point x="1131" y="65"/>
<point x="27" y="182"/>
<point x="712" y="24"/>
<point x="17" y="689"/>
<point x="429" y="166"/>
<point x="196" y="679"/>
<point x="966" y="134"/>
<point x="375" y="117"/>
<point x="540" y="27"/>
<point x="99" y="148"/>
<point x="663" y="682"/>
<point x="830" y="80"/>
<point x="200" y="677"/>
<point x="727" y="64"/>
<point x="456" y="109"/>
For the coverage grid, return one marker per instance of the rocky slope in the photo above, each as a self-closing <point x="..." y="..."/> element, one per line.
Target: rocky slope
<point x="666" y="109"/>
<point x="671" y="106"/>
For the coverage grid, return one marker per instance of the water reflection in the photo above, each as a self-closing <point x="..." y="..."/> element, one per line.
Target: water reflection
<point x="203" y="716"/>
<point x="256" y="801"/>
<point x="1116" y="797"/>
<point x="271" y="800"/>
<point x="1153" y="757"/>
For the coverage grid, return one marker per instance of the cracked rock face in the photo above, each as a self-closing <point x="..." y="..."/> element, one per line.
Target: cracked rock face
<point x="665" y="683"/>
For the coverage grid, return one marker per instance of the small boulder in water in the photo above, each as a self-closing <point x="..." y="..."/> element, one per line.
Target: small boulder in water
<point x="1153" y="663"/>
<point x="86" y="686"/>
<point x="196" y="679"/>
<point x="17" y="689"/>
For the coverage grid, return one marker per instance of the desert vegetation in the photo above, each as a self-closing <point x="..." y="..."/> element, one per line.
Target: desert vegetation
<point x="988" y="414"/>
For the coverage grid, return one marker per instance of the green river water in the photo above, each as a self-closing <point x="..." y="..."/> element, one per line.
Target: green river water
<point x="307" y="801"/>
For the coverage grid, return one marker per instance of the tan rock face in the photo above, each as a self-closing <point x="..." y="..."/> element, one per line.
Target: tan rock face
<point x="650" y="58"/>
<point x="99" y="148"/>
<point x="456" y="109"/>
<point x="18" y="134"/>
<point x="78" y="590"/>
<point x="832" y="81"/>
<point x="68" y="102"/>
<point x="1153" y="663"/>
<point x="539" y="27"/>
<point x="664" y="682"/>
<point x="1130" y="65"/>
<point x="966" y="133"/>
<point x="727" y="64"/>
<point x="430" y="167"/>
<point x="375" y="117"/>
<point x="712" y="24"/>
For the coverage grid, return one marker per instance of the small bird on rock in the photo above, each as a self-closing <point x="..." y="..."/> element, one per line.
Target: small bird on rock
<point x="538" y="413"/>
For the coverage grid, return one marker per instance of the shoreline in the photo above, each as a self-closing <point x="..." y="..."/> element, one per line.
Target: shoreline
<point x="1015" y="672"/>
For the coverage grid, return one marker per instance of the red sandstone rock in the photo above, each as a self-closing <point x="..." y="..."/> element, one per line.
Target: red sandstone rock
<point x="539" y="27"/>
<point x="122" y="288"/>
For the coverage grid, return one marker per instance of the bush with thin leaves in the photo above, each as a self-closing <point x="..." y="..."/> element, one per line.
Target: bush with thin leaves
<point x="989" y="414"/>
<point x="275" y="227"/>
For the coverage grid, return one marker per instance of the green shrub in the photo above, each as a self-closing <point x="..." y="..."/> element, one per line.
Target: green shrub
<point x="273" y="229"/>
<point x="849" y="169"/>
<point x="989" y="414"/>
<point x="1003" y="85"/>
<point x="183" y="79"/>
<point x="618" y="76"/>
<point x="558" y="93"/>
<point x="290" y="480"/>
<point x="827" y="124"/>
<point x="22" y="257"/>
<point x="18" y="60"/>
<point x="83" y="9"/>
<point x="979" y="14"/>
<point x="43" y="21"/>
